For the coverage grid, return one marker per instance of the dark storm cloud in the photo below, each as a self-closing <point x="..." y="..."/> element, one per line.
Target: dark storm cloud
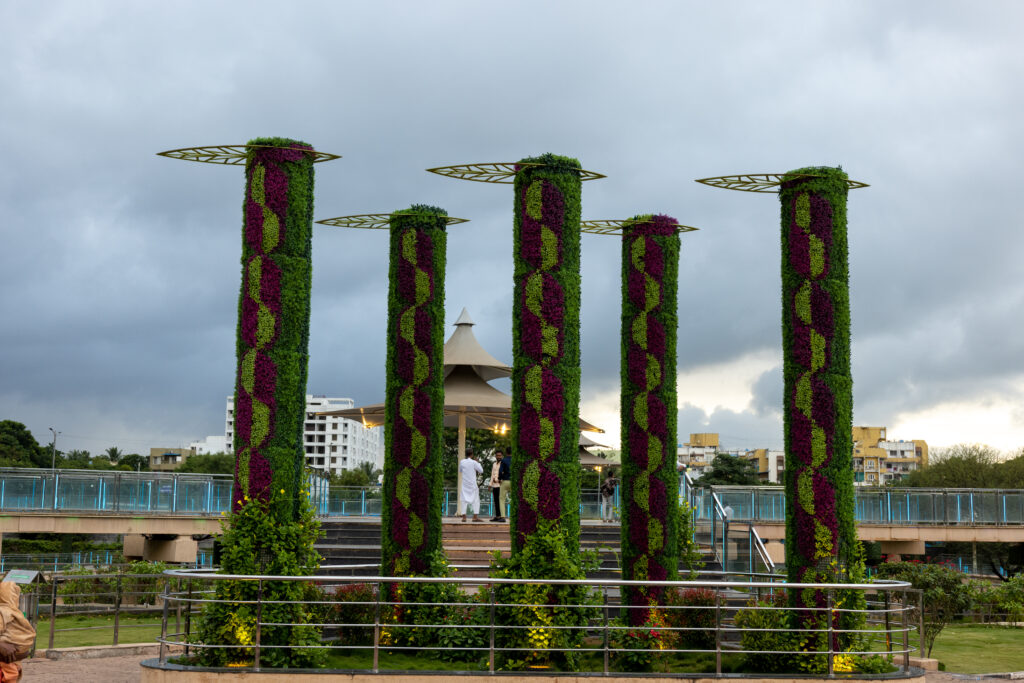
<point x="120" y="269"/>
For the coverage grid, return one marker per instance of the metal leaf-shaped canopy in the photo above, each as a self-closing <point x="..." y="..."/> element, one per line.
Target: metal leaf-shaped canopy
<point x="500" y="172"/>
<point x="614" y="227"/>
<point x="379" y="221"/>
<point x="764" y="182"/>
<point x="234" y="155"/>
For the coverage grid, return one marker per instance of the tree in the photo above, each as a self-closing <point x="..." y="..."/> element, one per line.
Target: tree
<point x="960" y="466"/>
<point x="482" y="442"/>
<point x="356" y="477"/>
<point x="730" y="470"/>
<point x="113" y="454"/>
<point x="945" y="594"/>
<point x="133" y="462"/>
<point x="18" y="448"/>
<point x="75" y="460"/>
<point x="208" y="463"/>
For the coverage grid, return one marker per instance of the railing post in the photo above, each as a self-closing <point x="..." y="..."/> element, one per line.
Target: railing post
<point x="174" y="494"/>
<point x="920" y="619"/>
<point x="259" y="618"/>
<point x="491" y="657"/>
<point x="906" y="631"/>
<point x="830" y="633"/>
<point x="604" y="602"/>
<point x="888" y="630"/>
<point x="163" y="624"/>
<point x="117" y="608"/>
<point x="376" y="630"/>
<point x="718" y="633"/>
<point x="188" y="618"/>
<point x="53" y="609"/>
<point x="177" y="609"/>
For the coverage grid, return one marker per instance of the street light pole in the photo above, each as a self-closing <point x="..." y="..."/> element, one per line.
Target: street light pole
<point x="53" y="450"/>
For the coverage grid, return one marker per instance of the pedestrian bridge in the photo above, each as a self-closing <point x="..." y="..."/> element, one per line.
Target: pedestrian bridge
<point x="176" y="504"/>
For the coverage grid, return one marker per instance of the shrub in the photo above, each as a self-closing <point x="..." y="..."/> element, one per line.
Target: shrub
<point x="637" y="647"/>
<point x="945" y="594"/>
<point x="355" y="605"/>
<point x="692" y="609"/>
<point x="89" y="589"/>
<point x="538" y="606"/>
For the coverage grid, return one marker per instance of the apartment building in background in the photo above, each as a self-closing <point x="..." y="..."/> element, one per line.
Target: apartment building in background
<point x="168" y="459"/>
<point x="878" y="461"/>
<point x="331" y="443"/>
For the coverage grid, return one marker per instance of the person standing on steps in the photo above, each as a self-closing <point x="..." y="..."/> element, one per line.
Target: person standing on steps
<point x="505" y="479"/>
<point x="470" y="469"/>
<point x="608" y="498"/>
<point x="496" y="487"/>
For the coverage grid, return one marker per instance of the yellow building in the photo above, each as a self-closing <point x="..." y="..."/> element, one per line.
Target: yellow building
<point x="878" y="461"/>
<point x="167" y="459"/>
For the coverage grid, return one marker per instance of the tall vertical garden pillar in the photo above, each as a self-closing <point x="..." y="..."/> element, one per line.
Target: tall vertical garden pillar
<point x="413" y="438"/>
<point x="272" y="528"/>
<point x="818" y="387"/>
<point x="650" y="482"/>
<point x="546" y="350"/>
<point x="273" y="326"/>
<point x="414" y="384"/>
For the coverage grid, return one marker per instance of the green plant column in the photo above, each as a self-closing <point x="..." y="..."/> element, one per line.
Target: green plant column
<point x="546" y="350"/>
<point x="272" y="528"/>
<point x="414" y="417"/>
<point x="821" y="540"/>
<point x="650" y="274"/>
<point x="273" y="325"/>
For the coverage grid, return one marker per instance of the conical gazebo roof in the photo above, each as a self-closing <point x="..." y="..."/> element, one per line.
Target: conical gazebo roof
<point x="462" y="348"/>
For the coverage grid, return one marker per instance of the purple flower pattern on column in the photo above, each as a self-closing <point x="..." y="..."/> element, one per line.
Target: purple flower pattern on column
<point x="649" y="442"/>
<point x="266" y="209"/>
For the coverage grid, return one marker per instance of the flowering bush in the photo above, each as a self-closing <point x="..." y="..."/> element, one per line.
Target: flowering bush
<point x="273" y="322"/>
<point x="545" y="346"/>
<point x="637" y="646"/>
<point x="693" y="610"/>
<point x="650" y="268"/>
<point x="411" y="517"/>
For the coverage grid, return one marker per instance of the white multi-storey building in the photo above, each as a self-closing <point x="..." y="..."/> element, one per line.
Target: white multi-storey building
<point x="331" y="443"/>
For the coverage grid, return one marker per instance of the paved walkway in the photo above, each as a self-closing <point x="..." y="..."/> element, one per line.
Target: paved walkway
<point x="107" y="669"/>
<point x="127" y="670"/>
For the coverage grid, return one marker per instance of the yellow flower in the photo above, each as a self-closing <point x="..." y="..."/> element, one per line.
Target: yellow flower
<point x="282" y="490"/>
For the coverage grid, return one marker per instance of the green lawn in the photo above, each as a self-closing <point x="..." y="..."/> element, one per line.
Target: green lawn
<point x="972" y="649"/>
<point x="132" y="628"/>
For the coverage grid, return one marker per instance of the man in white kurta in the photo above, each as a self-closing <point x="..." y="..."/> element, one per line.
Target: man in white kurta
<point x="470" y="469"/>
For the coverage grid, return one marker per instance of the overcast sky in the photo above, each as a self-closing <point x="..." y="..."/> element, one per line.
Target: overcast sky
<point x="119" y="270"/>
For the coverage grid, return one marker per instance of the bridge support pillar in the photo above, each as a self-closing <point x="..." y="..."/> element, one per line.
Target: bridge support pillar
<point x="166" y="548"/>
<point x="902" y="548"/>
<point x="133" y="546"/>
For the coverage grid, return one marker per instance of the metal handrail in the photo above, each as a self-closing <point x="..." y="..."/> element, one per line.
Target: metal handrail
<point x="611" y="633"/>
